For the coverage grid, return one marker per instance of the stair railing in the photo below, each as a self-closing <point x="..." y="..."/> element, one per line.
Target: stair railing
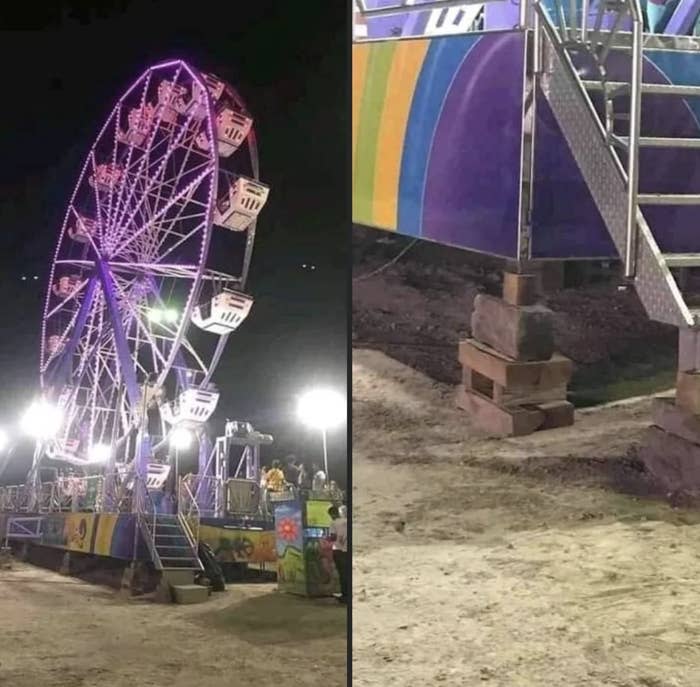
<point x="188" y="514"/>
<point x="146" y="517"/>
<point x="598" y="43"/>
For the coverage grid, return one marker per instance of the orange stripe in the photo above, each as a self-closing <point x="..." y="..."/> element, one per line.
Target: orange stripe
<point x="405" y="69"/>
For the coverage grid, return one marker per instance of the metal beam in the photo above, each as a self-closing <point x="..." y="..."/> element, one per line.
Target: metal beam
<point x="60" y="373"/>
<point x="422" y="7"/>
<point x="126" y="362"/>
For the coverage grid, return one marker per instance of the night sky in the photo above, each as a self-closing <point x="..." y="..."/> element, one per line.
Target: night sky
<point x="64" y="69"/>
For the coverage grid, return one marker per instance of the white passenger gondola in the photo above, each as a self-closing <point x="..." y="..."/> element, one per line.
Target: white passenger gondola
<point x="238" y="209"/>
<point x="224" y="313"/>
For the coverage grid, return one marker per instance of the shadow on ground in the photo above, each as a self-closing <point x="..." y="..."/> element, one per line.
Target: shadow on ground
<point x="280" y="618"/>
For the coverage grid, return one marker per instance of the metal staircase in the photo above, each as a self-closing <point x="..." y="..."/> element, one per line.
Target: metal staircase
<point x="169" y="539"/>
<point x="572" y="65"/>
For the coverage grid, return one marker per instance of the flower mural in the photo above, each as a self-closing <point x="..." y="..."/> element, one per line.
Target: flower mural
<point x="288" y="529"/>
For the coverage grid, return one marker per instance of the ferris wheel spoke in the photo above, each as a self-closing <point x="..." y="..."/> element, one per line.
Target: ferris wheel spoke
<point x="156" y="269"/>
<point x="131" y="146"/>
<point x="188" y="189"/>
<point x="151" y="136"/>
<point x="153" y="189"/>
<point x="98" y="204"/>
<point x="120" y="342"/>
<point x="168" y="153"/>
<point x="137" y="319"/>
<point x="73" y="296"/>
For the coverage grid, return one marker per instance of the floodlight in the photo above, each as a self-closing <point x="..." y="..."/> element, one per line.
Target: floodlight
<point x="41" y="420"/>
<point x="181" y="438"/>
<point x="322" y="408"/>
<point x="99" y="453"/>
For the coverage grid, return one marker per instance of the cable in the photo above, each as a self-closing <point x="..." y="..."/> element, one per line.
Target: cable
<point x="388" y="264"/>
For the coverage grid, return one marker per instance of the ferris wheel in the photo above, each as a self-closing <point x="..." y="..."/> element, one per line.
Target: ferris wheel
<point x="148" y="276"/>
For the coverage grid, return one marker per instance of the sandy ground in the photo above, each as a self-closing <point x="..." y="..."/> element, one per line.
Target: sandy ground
<point x="536" y="561"/>
<point x="60" y="632"/>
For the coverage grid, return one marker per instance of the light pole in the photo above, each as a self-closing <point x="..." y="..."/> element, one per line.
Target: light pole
<point x="322" y="409"/>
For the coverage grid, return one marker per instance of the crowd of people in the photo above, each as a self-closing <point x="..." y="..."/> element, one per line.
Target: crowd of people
<point x="292" y="475"/>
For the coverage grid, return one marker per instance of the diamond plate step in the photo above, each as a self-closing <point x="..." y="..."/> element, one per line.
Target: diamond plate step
<point x="658" y="142"/>
<point x="682" y="259"/>
<point x="647" y="88"/>
<point x="668" y="199"/>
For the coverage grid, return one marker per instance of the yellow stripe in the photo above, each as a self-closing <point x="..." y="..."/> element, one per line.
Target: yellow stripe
<point x="408" y="60"/>
<point x="360" y="56"/>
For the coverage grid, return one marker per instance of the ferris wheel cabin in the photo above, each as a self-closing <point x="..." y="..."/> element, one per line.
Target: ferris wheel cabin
<point x="224" y="313"/>
<point x="239" y="208"/>
<point x="82" y="229"/>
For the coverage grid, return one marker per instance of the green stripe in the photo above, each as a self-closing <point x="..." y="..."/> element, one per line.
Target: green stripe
<point x="371" y="108"/>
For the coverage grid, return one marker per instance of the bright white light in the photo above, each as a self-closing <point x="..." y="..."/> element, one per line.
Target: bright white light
<point x="4" y="439"/>
<point x="322" y="408"/>
<point x="42" y="420"/>
<point x="181" y="438"/>
<point x="169" y="315"/>
<point x="99" y="453"/>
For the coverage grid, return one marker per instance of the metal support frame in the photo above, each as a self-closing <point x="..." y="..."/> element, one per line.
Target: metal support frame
<point x="61" y="371"/>
<point x="633" y="152"/>
<point x="531" y="69"/>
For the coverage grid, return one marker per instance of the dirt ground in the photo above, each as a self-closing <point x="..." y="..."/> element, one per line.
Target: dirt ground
<point x="418" y="308"/>
<point x="60" y="632"/>
<point x="539" y="561"/>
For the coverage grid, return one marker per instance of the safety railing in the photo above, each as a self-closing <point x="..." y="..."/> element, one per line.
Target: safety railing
<point x="63" y="495"/>
<point x="208" y="492"/>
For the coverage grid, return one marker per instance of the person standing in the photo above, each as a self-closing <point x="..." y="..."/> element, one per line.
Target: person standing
<point x="275" y="477"/>
<point x="338" y="534"/>
<point x="305" y="477"/>
<point x="319" y="481"/>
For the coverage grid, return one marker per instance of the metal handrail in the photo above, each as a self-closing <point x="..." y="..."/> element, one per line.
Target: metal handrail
<point x="143" y="515"/>
<point x="633" y="151"/>
<point x="631" y="173"/>
<point x="193" y="513"/>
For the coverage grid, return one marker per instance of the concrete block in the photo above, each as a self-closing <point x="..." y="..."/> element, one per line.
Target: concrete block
<point x="518" y="396"/>
<point x="675" y="419"/>
<point x="520" y="289"/>
<point x="475" y="381"/>
<point x="673" y="462"/>
<point x="190" y="593"/>
<point x="509" y="373"/>
<point x="557" y="414"/>
<point x="177" y="576"/>
<point x="688" y="350"/>
<point x="498" y="421"/>
<point x="521" y="333"/>
<point x="688" y="391"/>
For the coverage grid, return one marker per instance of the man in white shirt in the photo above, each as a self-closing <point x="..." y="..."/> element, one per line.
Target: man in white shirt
<point x="338" y="534"/>
<point x="319" y="481"/>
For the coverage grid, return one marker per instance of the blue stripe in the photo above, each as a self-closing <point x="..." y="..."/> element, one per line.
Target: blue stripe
<point x="442" y="60"/>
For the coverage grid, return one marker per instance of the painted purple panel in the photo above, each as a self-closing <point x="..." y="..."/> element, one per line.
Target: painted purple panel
<point x="566" y="221"/>
<point x="472" y="188"/>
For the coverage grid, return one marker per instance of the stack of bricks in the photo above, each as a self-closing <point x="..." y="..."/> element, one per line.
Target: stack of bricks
<point x="513" y="381"/>
<point x="671" y="449"/>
